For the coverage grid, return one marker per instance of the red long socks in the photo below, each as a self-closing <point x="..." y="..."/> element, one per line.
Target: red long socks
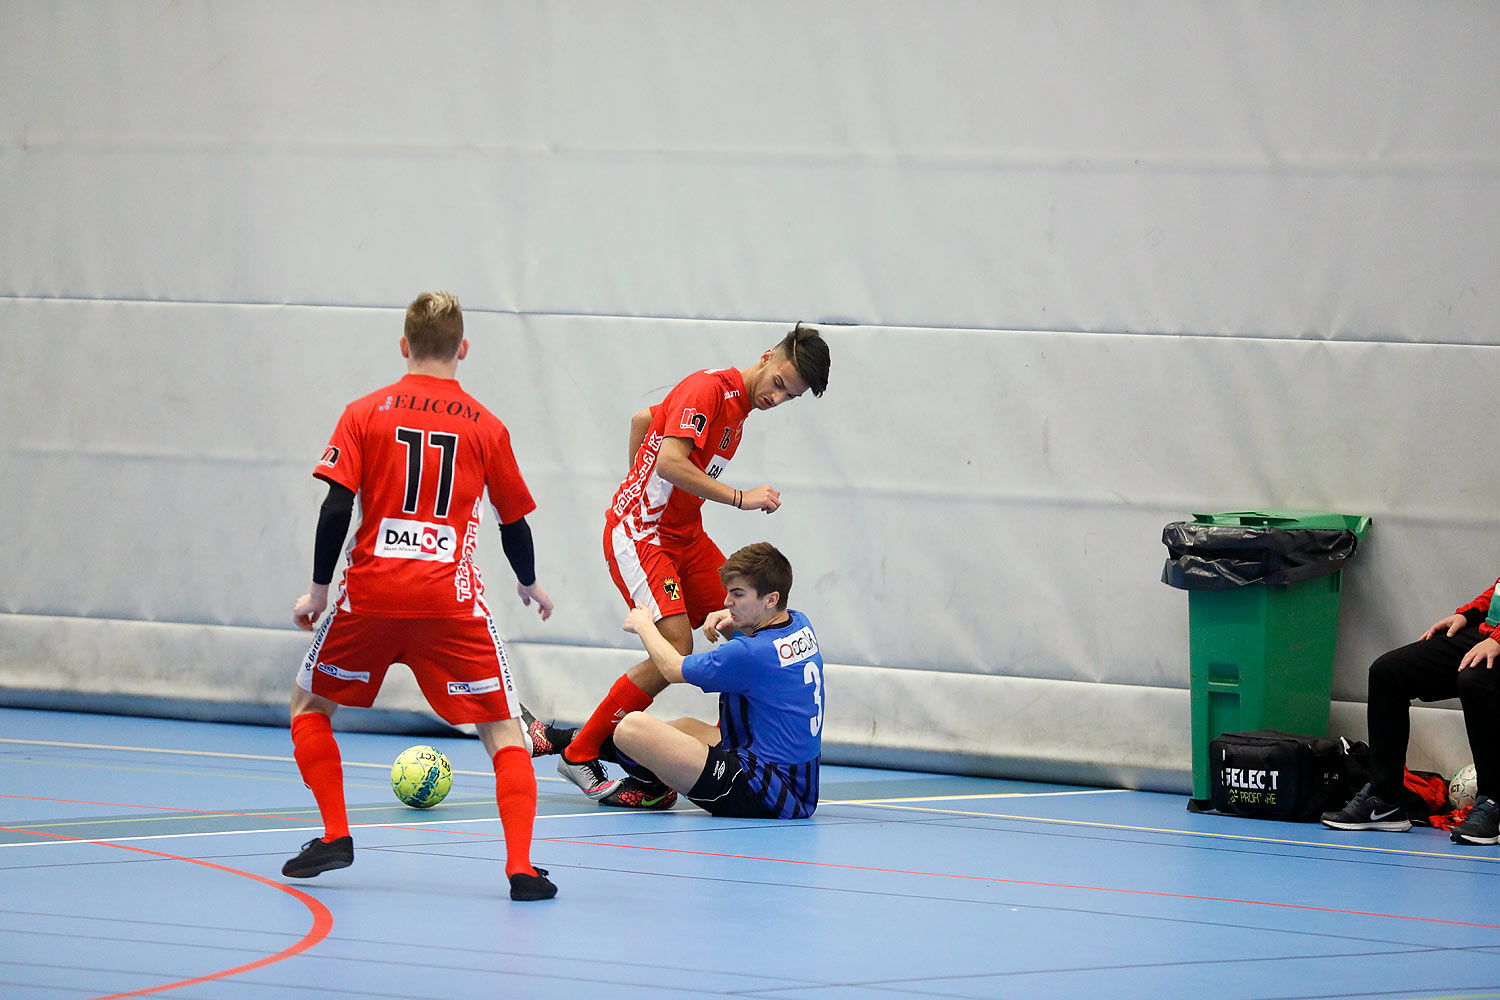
<point x="624" y="697"/>
<point x="322" y="768"/>
<point x="515" y="794"/>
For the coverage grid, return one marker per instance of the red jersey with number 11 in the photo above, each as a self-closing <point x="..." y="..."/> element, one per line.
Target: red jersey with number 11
<point x="419" y="456"/>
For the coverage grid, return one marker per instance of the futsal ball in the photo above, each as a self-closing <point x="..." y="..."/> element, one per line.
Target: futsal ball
<point x="421" y="777"/>
<point x="1464" y="788"/>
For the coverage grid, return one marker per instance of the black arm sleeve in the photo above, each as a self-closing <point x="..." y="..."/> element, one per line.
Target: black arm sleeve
<point x="515" y="539"/>
<point x="333" y="525"/>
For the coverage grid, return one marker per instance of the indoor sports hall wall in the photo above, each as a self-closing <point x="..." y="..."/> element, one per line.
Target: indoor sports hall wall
<point x="1100" y="266"/>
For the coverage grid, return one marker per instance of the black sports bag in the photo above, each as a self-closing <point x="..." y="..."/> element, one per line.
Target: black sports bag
<point x="1268" y="774"/>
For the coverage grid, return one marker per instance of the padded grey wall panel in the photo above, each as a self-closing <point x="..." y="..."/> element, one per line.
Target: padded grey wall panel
<point x="1110" y="266"/>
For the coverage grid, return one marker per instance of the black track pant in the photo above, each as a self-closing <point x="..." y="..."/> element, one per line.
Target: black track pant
<point x="1428" y="670"/>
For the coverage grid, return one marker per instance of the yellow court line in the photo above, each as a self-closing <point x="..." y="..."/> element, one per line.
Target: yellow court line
<point x="108" y="746"/>
<point x="1451" y="856"/>
<point x="220" y="753"/>
<point x="980" y="795"/>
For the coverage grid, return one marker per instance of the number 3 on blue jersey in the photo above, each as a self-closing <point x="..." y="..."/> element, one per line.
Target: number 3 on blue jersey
<point x="812" y="675"/>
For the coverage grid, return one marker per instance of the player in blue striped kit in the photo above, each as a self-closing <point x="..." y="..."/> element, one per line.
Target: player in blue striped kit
<point x="761" y="761"/>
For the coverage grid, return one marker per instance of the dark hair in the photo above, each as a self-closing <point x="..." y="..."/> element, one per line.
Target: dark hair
<point x="434" y="326"/>
<point x="764" y="566"/>
<point x="808" y="352"/>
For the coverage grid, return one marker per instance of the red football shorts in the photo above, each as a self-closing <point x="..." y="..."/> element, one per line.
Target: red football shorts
<point x="459" y="663"/>
<point x="682" y="578"/>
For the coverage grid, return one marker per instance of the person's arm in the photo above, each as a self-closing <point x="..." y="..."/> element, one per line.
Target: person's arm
<point x="674" y="465"/>
<point x="664" y="655"/>
<point x="333" y="524"/>
<point x="713" y="625"/>
<point x="1448" y="626"/>
<point x="520" y="552"/>
<point x="640" y="423"/>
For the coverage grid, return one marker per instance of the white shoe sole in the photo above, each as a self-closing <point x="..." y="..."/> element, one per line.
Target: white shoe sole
<point x="1388" y="826"/>
<point x="1464" y="838"/>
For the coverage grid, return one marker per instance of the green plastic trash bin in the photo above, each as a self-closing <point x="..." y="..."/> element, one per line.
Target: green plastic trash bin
<point x="1261" y="654"/>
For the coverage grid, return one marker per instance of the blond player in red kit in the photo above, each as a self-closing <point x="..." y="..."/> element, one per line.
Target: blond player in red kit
<point x="418" y="456"/>
<point x="660" y="557"/>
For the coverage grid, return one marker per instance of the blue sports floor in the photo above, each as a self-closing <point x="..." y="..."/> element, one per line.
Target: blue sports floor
<point x="142" y="857"/>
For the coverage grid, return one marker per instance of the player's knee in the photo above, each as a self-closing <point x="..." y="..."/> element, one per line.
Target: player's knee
<point x="677" y="630"/>
<point x="1477" y="682"/>
<point x="632" y="730"/>
<point x="1387" y="676"/>
<point x="305" y="701"/>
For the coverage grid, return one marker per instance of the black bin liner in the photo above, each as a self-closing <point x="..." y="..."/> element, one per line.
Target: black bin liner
<point x="1224" y="556"/>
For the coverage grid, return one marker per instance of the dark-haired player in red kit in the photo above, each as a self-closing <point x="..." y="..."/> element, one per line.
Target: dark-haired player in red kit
<point x="660" y="557"/>
<point x="418" y="455"/>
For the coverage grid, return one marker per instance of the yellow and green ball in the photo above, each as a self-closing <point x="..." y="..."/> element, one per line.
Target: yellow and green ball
<point x="421" y="777"/>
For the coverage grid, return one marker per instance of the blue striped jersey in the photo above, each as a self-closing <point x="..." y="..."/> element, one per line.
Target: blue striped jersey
<point x="771" y="704"/>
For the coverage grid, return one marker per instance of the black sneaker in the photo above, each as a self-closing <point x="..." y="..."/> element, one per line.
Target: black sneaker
<point x="525" y="888"/>
<point x="1482" y="825"/>
<point x="318" y="856"/>
<point x="1368" y="811"/>
<point x="633" y="793"/>
<point x="535" y="735"/>
<point x="541" y="739"/>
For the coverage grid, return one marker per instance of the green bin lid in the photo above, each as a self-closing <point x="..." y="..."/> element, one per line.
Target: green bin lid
<point x="1356" y="523"/>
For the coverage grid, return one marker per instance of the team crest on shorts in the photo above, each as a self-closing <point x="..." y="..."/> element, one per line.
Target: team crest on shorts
<point x="673" y="592"/>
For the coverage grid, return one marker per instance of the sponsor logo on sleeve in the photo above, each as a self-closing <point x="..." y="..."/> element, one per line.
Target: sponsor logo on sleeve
<point x="797" y="647"/>
<point x="670" y="588"/>
<point x="693" y="421"/>
<point x="484" y="686"/>
<point x="400" y="539"/>
<point x="330" y="456"/>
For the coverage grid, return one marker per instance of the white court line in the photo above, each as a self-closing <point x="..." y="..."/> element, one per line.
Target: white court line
<point x="285" y="829"/>
<point x="981" y="795"/>
<point x="496" y="819"/>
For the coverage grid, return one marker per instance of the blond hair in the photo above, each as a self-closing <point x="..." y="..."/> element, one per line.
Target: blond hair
<point x="434" y="326"/>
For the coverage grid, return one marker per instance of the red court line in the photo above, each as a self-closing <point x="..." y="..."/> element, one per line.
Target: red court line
<point x="814" y="864"/>
<point x="1040" y="885"/>
<point x="322" y="918"/>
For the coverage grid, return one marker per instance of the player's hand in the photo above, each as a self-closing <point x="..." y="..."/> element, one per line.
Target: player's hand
<point x="638" y="619"/>
<point x="713" y="624"/>
<point x="1451" y="625"/>
<point x="763" y="498"/>
<point x="1483" y="652"/>
<point x="306" y="611"/>
<point x="535" y="593"/>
